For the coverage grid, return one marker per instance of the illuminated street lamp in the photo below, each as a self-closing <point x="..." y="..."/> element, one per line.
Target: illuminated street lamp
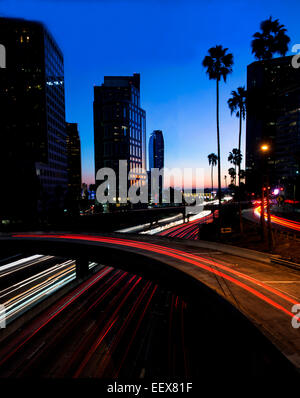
<point x="265" y="148"/>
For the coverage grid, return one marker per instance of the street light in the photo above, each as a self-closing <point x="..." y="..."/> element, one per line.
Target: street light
<point x="265" y="148"/>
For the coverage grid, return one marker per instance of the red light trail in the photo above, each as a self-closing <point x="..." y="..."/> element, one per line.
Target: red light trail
<point x="190" y="229"/>
<point x="192" y="259"/>
<point x="295" y="225"/>
<point x="103" y="332"/>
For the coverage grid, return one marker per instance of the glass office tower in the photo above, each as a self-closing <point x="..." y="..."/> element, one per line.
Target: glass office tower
<point x="74" y="160"/>
<point x="156" y="150"/>
<point x="120" y="126"/>
<point x="33" y="155"/>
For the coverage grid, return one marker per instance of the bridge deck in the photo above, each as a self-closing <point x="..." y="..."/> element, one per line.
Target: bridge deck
<point x="265" y="293"/>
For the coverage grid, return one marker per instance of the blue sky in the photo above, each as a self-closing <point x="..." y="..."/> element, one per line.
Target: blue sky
<point x="166" y="42"/>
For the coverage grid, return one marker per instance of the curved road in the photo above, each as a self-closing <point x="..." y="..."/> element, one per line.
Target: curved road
<point x="280" y="222"/>
<point x="265" y="293"/>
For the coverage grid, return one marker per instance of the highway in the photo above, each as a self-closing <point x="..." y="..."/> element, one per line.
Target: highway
<point x="98" y="331"/>
<point x="253" y="214"/>
<point x="189" y="230"/>
<point x="22" y="291"/>
<point x="278" y="221"/>
<point x="91" y="340"/>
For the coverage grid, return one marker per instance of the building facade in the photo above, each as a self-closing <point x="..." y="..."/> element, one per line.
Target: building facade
<point x="156" y="150"/>
<point x="156" y="161"/>
<point x="74" y="161"/>
<point x="32" y="124"/>
<point x="273" y="118"/>
<point x="120" y="126"/>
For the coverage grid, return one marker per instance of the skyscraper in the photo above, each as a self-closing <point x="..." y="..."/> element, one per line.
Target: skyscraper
<point x="156" y="161"/>
<point x="74" y="160"/>
<point x="33" y="158"/>
<point x="119" y="124"/>
<point x="156" y="150"/>
<point x="273" y="117"/>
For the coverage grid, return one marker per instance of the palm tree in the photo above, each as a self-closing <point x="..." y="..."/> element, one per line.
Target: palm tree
<point x="242" y="174"/>
<point x="271" y="40"/>
<point x="225" y="178"/>
<point x="232" y="174"/>
<point x="235" y="157"/>
<point x="237" y="105"/>
<point x="212" y="160"/>
<point x="218" y="65"/>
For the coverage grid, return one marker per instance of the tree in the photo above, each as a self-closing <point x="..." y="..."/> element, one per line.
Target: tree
<point x="242" y="174"/>
<point x="225" y="178"/>
<point x="212" y="160"/>
<point x="235" y="157"/>
<point x="237" y="105"/>
<point x="271" y="40"/>
<point x="218" y="65"/>
<point x="232" y="174"/>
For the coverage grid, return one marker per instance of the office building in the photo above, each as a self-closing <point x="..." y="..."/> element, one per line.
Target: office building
<point x="33" y="157"/>
<point x="156" y="150"/>
<point x="74" y="160"/>
<point x="156" y="161"/>
<point x="120" y="125"/>
<point x="273" y="117"/>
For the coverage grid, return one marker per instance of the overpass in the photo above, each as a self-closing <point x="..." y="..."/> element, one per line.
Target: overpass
<point x="241" y="289"/>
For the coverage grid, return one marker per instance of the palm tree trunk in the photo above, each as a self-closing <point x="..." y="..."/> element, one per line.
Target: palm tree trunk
<point x="239" y="171"/>
<point x="240" y="136"/>
<point x="212" y="177"/>
<point x="235" y="175"/>
<point x="219" y="157"/>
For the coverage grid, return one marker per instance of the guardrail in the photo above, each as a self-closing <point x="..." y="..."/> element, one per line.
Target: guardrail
<point x="287" y="263"/>
<point x="287" y="234"/>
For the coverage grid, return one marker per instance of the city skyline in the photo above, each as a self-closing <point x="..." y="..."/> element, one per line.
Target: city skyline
<point x="150" y="170"/>
<point x="176" y="93"/>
